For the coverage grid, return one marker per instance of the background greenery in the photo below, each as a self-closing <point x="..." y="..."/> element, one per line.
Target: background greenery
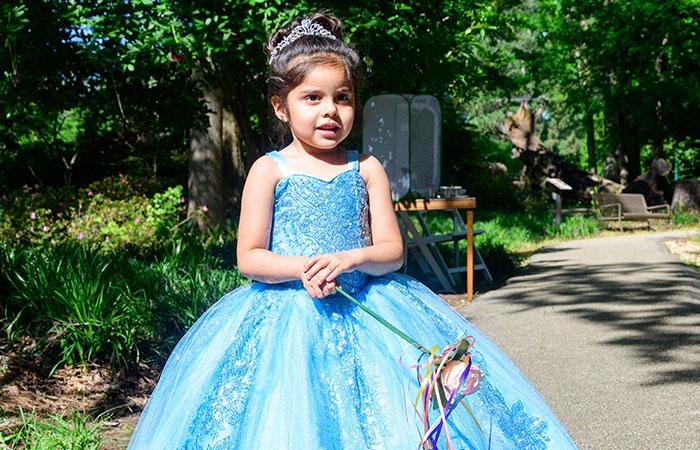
<point x="113" y="239"/>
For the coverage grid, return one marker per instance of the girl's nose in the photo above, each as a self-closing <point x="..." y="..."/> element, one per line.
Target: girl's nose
<point x="330" y="108"/>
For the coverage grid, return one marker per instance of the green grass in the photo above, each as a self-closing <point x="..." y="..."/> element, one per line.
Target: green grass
<point x="686" y="218"/>
<point x="82" y="305"/>
<point x="509" y="237"/>
<point x="74" y="432"/>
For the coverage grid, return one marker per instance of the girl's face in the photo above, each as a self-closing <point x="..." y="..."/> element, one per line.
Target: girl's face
<point x="320" y="110"/>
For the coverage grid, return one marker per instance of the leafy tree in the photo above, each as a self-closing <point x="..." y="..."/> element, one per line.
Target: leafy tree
<point x="139" y="81"/>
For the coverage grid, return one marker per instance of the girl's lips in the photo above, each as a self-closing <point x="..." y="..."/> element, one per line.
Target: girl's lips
<point x="328" y="130"/>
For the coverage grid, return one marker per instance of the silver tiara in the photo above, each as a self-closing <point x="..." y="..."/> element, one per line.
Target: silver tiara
<point x="307" y="28"/>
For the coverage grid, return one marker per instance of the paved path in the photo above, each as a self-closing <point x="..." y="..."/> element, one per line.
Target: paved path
<point x="608" y="329"/>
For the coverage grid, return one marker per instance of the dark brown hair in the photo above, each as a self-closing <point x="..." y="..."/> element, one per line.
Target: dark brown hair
<point x="290" y="64"/>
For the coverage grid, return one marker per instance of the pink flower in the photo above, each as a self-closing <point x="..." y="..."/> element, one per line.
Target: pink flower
<point x="136" y="220"/>
<point x="204" y="208"/>
<point x="32" y="215"/>
<point x="80" y="235"/>
<point x="182" y="199"/>
<point x="45" y="228"/>
<point x="122" y="180"/>
<point x="452" y="372"/>
<point x="90" y="194"/>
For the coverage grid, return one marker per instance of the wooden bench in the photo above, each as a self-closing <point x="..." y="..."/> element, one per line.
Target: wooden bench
<point x="619" y="207"/>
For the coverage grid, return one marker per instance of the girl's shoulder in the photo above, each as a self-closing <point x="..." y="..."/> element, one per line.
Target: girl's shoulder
<point x="265" y="170"/>
<point x="371" y="168"/>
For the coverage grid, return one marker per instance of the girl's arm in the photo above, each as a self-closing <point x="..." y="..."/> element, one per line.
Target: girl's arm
<point x="386" y="252"/>
<point x="254" y="259"/>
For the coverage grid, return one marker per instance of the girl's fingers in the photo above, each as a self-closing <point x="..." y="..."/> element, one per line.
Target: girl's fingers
<point x="328" y="289"/>
<point x="313" y="270"/>
<point x="320" y="277"/>
<point x="317" y="293"/>
<point x="334" y="273"/>
<point x="310" y="262"/>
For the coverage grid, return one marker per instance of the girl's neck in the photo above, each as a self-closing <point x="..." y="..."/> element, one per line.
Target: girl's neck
<point x="329" y="156"/>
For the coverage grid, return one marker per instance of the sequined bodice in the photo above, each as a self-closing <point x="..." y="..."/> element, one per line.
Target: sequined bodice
<point x="313" y="216"/>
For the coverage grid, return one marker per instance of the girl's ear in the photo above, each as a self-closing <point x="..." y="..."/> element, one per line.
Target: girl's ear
<point x="279" y="108"/>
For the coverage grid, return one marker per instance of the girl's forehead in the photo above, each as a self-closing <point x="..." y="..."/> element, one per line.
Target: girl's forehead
<point x="326" y="76"/>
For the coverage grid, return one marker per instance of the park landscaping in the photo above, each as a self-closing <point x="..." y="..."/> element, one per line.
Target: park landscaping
<point x="114" y="240"/>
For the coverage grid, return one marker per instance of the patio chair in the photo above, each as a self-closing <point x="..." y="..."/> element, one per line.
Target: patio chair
<point x="619" y="207"/>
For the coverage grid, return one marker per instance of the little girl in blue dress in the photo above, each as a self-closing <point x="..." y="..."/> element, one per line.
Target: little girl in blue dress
<point x="289" y="363"/>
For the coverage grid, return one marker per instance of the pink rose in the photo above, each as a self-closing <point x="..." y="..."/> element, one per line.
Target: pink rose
<point x="90" y="194"/>
<point x="80" y="235"/>
<point x="46" y="228"/>
<point x="452" y="372"/>
<point x="32" y="215"/>
<point x="136" y="220"/>
<point x="204" y="208"/>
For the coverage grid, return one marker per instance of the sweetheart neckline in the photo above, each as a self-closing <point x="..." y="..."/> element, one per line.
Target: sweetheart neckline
<point x="330" y="180"/>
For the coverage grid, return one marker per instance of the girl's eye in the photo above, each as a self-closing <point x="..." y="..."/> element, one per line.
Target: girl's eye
<point x="313" y="98"/>
<point x="343" y="98"/>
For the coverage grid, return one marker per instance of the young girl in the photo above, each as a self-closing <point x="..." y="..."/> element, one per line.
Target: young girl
<point x="287" y="363"/>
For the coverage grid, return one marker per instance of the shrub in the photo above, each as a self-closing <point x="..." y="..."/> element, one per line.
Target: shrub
<point x="182" y="283"/>
<point x="84" y="305"/>
<point x="77" y="302"/>
<point x="112" y="214"/>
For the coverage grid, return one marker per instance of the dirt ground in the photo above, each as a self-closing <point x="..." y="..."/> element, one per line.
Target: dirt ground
<point x="90" y="389"/>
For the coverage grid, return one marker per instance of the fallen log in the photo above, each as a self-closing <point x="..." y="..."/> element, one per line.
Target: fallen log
<point x="540" y="163"/>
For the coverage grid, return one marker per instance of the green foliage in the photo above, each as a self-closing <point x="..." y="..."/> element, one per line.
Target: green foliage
<point x="685" y="218"/>
<point x="576" y="227"/>
<point x="183" y="282"/>
<point x="109" y="86"/>
<point x="79" y="303"/>
<point x="83" y="305"/>
<point x="112" y="214"/>
<point x="75" y="432"/>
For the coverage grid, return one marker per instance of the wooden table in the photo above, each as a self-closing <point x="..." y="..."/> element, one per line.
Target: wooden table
<point x="403" y="208"/>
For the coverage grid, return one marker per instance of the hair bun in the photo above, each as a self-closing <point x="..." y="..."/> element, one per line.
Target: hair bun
<point x="329" y="22"/>
<point x="323" y="18"/>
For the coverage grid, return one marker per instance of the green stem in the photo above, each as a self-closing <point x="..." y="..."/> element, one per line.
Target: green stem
<point x="383" y="321"/>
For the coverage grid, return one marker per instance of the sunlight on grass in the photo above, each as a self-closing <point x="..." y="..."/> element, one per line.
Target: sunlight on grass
<point x="75" y="432"/>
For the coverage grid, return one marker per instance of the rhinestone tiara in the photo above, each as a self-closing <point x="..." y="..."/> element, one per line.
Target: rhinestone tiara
<point x="307" y="28"/>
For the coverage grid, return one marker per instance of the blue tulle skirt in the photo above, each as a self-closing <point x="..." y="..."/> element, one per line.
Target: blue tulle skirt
<point x="268" y="367"/>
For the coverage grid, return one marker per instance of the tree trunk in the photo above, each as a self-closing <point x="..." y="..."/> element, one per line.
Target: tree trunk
<point x="238" y="142"/>
<point x="590" y="143"/>
<point x="205" y="180"/>
<point x="632" y="157"/>
<point x="233" y="163"/>
<point x="657" y="137"/>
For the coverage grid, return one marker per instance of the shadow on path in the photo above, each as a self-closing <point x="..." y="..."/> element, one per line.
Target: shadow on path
<point x="651" y="308"/>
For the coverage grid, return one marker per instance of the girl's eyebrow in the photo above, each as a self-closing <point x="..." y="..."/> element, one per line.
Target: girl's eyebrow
<point x="313" y="90"/>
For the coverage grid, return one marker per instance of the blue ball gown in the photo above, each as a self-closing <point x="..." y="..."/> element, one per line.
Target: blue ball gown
<point x="268" y="367"/>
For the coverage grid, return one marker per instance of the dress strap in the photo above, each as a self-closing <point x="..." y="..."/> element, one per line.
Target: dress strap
<point x="353" y="159"/>
<point x="282" y="163"/>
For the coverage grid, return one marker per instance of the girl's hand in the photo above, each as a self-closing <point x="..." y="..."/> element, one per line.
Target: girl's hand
<point x="321" y="269"/>
<point x="316" y="289"/>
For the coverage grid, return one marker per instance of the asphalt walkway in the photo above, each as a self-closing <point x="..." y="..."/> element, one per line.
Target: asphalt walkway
<point x="608" y="329"/>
